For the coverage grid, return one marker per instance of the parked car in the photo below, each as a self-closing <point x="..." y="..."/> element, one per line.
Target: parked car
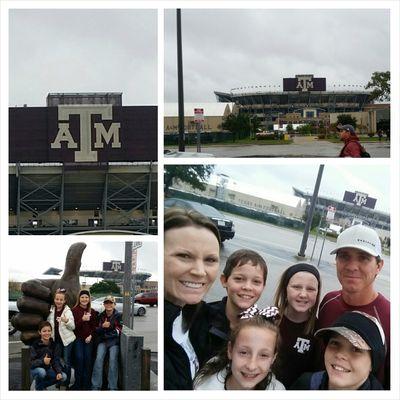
<point x="97" y="305"/>
<point x="225" y="225"/>
<point x="12" y="310"/>
<point x="150" y="298"/>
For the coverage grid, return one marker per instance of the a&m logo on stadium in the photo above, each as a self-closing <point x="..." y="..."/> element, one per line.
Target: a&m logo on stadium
<point x="87" y="148"/>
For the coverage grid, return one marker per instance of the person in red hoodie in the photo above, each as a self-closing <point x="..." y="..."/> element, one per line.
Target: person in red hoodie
<point x="85" y="327"/>
<point x="352" y="146"/>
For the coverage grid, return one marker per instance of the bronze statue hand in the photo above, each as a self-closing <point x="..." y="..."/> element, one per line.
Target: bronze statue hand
<point x="34" y="304"/>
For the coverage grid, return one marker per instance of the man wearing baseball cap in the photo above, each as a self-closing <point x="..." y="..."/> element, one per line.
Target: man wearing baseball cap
<point x="352" y="146"/>
<point x="358" y="263"/>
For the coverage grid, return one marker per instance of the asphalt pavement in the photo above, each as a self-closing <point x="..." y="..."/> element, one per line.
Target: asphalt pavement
<point x="279" y="247"/>
<point x="310" y="147"/>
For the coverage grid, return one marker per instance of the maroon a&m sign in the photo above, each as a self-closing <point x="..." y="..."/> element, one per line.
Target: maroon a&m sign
<point x="82" y="133"/>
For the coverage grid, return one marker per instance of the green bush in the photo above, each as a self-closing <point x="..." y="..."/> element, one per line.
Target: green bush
<point x="104" y="286"/>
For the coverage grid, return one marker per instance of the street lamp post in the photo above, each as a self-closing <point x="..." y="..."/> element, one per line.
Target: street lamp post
<point x="303" y="245"/>
<point x="181" y="111"/>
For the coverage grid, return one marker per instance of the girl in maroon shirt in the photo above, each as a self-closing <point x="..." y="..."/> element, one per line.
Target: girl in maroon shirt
<point x="85" y="327"/>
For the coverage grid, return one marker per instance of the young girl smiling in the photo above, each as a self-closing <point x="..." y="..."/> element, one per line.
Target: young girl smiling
<point x="297" y="298"/>
<point x="63" y="325"/>
<point x="85" y="327"/>
<point x="251" y="351"/>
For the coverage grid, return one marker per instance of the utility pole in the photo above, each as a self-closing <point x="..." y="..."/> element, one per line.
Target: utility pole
<point x="129" y="282"/>
<point x="127" y="286"/>
<point x="181" y="110"/>
<point x="303" y="246"/>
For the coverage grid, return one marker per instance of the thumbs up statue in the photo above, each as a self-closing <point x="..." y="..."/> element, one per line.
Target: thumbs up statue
<point x="34" y="304"/>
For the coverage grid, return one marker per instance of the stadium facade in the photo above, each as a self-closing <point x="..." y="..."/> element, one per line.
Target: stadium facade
<point x="304" y="99"/>
<point x="354" y="208"/>
<point x="84" y="163"/>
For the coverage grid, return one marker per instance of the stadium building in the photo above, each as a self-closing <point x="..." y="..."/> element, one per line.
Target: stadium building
<point x="354" y="208"/>
<point x="305" y="99"/>
<point x="84" y="163"/>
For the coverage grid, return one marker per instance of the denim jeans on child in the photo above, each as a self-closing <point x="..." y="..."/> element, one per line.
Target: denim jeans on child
<point x="45" y="377"/>
<point x="97" y="376"/>
<point x="83" y="364"/>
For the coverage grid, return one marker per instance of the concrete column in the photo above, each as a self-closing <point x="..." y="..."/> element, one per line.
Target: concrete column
<point x="131" y="359"/>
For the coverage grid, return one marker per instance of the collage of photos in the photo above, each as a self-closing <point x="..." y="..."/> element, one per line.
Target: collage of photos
<point x="208" y="154"/>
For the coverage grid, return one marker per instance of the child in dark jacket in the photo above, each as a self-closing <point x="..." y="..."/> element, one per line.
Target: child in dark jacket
<point x="355" y="349"/>
<point x="46" y="367"/>
<point x="108" y="332"/>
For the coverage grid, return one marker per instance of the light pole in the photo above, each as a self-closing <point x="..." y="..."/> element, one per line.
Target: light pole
<point x="310" y="215"/>
<point x="181" y="111"/>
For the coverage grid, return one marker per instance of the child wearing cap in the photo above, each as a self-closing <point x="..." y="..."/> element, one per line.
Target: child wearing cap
<point x="297" y="298"/>
<point x="355" y="349"/>
<point x="108" y="332"/>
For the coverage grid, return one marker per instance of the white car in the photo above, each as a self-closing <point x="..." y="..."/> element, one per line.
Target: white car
<point x="97" y="305"/>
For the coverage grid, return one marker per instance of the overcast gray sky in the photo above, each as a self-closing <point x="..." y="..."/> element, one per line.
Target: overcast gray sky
<point x="72" y="50"/>
<point x="276" y="181"/>
<point x="30" y="258"/>
<point x="225" y="49"/>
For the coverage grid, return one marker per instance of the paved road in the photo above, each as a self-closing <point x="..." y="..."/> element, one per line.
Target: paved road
<point x="300" y="148"/>
<point x="279" y="247"/>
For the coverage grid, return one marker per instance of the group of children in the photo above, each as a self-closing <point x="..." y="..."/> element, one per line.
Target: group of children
<point x="279" y="347"/>
<point x="68" y="338"/>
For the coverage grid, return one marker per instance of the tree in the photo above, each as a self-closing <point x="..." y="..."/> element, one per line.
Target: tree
<point x="380" y="83"/>
<point x="384" y="125"/>
<point x="255" y="125"/>
<point x="289" y="128"/>
<point x="194" y="175"/>
<point x="304" y="129"/>
<point x="105" y="287"/>
<point x="239" y="125"/>
<point x="346" y="119"/>
<point x="315" y="219"/>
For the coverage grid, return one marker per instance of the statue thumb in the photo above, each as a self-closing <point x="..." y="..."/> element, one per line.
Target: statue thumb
<point x="73" y="261"/>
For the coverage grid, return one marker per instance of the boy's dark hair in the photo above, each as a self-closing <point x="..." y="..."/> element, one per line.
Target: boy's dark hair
<point x="244" y="256"/>
<point x="43" y="324"/>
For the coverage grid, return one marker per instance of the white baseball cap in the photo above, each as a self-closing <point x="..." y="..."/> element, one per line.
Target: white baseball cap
<point x="359" y="237"/>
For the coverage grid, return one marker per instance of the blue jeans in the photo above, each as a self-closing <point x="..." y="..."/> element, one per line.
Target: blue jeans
<point x="66" y="353"/>
<point x="46" y="377"/>
<point x="97" y="376"/>
<point x="83" y="361"/>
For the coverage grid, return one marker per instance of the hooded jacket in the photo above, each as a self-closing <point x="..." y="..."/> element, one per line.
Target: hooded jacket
<point x="320" y="381"/>
<point x="39" y="350"/>
<point x="66" y="329"/>
<point x="177" y="374"/>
